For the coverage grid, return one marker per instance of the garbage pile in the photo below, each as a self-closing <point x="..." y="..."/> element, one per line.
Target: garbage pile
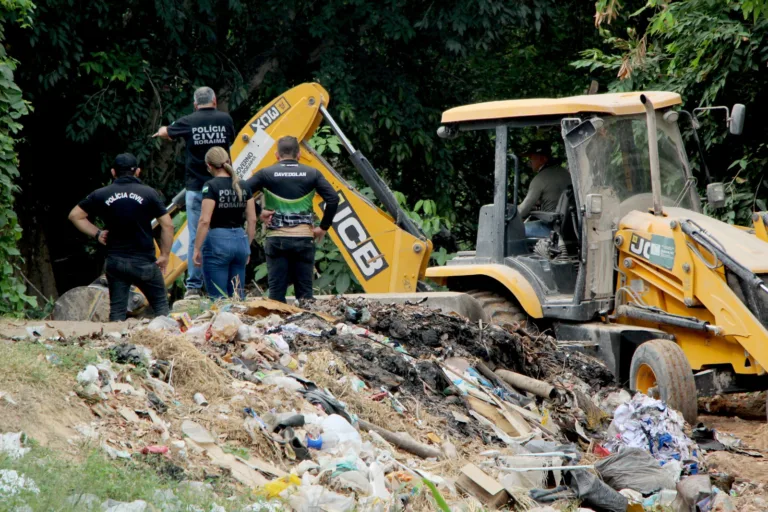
<point x="357" y="405"/>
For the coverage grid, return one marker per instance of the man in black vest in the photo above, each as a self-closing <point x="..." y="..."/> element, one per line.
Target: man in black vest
<point x="127" y="207"/>
<point x="201" y="130"/>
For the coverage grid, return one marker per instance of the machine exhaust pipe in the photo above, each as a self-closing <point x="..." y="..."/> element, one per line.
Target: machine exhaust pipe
<point x="653" y="153"/>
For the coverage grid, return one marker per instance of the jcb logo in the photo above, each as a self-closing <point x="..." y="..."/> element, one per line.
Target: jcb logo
<point x="271" y="115"/>
<point x="356" y="240"/>
<point x="640" y="246"/>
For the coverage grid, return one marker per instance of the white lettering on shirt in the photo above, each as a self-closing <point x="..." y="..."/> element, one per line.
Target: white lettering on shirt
<point x="209" y="135"/>
<point x="290" y="174"/>
<point x="124" y="195"/>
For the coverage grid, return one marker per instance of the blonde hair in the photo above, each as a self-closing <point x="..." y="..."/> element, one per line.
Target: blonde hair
<point x="218" y="158"/>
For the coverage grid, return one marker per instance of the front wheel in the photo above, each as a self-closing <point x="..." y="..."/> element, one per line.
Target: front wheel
<point x="661" y="370"/>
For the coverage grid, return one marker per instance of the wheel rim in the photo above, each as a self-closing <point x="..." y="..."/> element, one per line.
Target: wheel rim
<point x="645" y="379"/>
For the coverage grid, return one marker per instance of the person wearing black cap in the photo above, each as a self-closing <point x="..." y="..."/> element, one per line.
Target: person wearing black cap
<point x="289" y="192"/>
<point x="127" y="208"/>
<point x="202" y="130"/>
<point x="545" y="189"/>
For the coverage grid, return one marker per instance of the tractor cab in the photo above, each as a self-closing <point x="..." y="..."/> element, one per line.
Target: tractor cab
<point x="571" y="271"/>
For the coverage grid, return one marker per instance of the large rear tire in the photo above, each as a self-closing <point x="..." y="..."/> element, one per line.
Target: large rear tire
<point x="660" y="369"/>
<point x="500" y="311"/>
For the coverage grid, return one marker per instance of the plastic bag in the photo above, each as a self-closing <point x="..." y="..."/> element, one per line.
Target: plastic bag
<point x="275" y="487"/>
<point x="164" y="323"/>
<point x="312" y="498"/>
<point x="636" y="469"/>
<point x="224" y="327"/>
<point x="283" y="382"/>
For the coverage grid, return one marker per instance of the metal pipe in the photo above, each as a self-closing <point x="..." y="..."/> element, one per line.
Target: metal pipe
<point x="500" y="194"/>
<point x="380" y="189"/>
<point x="337" y="130"/>
<point x="653" y="153"/>
<point x="176" y="203"/>
<point x="516" y="182"/>
<point x="665" y="318"/>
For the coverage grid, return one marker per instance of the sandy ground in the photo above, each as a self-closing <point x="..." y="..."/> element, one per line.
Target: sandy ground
<point x="10" y="328"/>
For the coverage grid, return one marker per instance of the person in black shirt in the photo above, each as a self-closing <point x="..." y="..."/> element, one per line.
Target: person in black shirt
<point x="203" y="129"/>
<point x="222" y="247"/>
<point x="289" y="191"/>
<point x="127" y="208"/>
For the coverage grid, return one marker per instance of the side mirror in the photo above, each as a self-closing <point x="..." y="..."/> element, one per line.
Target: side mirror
<point x="736" y="122"/>
<point x="716" y="195"/>
<point x="584" y="131"/>
<point x="594" y="205"/>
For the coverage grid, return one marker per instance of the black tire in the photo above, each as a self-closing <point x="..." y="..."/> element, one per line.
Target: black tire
<point x="661" y="364"/>
<point x="500" y="311"/>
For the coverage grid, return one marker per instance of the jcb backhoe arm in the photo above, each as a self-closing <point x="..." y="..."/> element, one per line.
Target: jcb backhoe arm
<point x="386" y="251"/>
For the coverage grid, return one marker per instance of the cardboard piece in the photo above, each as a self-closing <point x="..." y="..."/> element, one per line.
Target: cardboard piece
<point x="265" y="307"/>
<point x="486" y="489"/>
<point x="494" y="415"/>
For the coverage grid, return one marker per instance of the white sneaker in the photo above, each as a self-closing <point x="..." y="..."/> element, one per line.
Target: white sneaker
<point x="192" y="293"/>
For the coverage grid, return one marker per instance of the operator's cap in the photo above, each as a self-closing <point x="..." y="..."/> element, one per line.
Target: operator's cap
<point x="126" y="161"/>
<point x="539" y="147"/>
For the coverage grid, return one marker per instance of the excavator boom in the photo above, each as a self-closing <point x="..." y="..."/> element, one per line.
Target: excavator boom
<point x="385" y="250"/>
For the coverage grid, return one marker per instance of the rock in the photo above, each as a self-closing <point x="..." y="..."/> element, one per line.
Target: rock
<point x="166" y="501"/>
<point x="117" y="506"/>
<point x="197" y="432"/>
<point x="12" y="483"/>
<point x="11" y="445"/>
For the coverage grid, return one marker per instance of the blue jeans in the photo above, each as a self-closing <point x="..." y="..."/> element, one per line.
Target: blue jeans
<point x="225" y="253"/>
<point x="194" y="200"/>
<point x="537" y="229"/>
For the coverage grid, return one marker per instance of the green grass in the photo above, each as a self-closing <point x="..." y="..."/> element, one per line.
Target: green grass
<point x="26" y="363"/>
<point x="237" y="451"/>
<point x="126" y="481"/>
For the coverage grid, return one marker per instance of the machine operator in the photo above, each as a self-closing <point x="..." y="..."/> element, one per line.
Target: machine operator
<point x="289" y="189"/>
<point x="127" y="207"/>
<point x="202" y="130"/>
<point x="545" y="189"/>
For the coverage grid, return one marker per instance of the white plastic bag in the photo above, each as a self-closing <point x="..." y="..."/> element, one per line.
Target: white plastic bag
<point x="225" y="327"/>
<point x="312" y="498"/>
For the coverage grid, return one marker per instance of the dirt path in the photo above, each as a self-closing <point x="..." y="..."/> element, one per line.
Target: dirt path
<point x="10" y="328"/>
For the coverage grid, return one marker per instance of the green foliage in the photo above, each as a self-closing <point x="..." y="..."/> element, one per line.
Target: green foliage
<point x="712" y="53"/>
<point x="12" y="107"/>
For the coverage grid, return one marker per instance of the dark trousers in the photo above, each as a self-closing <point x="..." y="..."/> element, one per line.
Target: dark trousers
<point x="122" y="273"/>
<point x="290" y="259"/>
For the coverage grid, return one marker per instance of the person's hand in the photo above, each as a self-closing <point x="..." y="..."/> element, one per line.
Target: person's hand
<point x="197" y="258"/>
<point x="162" y="262"/>
<point x="319" y="234"/>
<point x="103" y="237"/>
<point x="266" y="216"/>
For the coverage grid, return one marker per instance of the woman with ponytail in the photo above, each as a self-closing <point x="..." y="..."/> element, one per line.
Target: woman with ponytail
<point x="222" y="246"/>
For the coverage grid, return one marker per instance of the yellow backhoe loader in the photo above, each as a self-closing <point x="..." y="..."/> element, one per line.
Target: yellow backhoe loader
<point x="633" y="272"/>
